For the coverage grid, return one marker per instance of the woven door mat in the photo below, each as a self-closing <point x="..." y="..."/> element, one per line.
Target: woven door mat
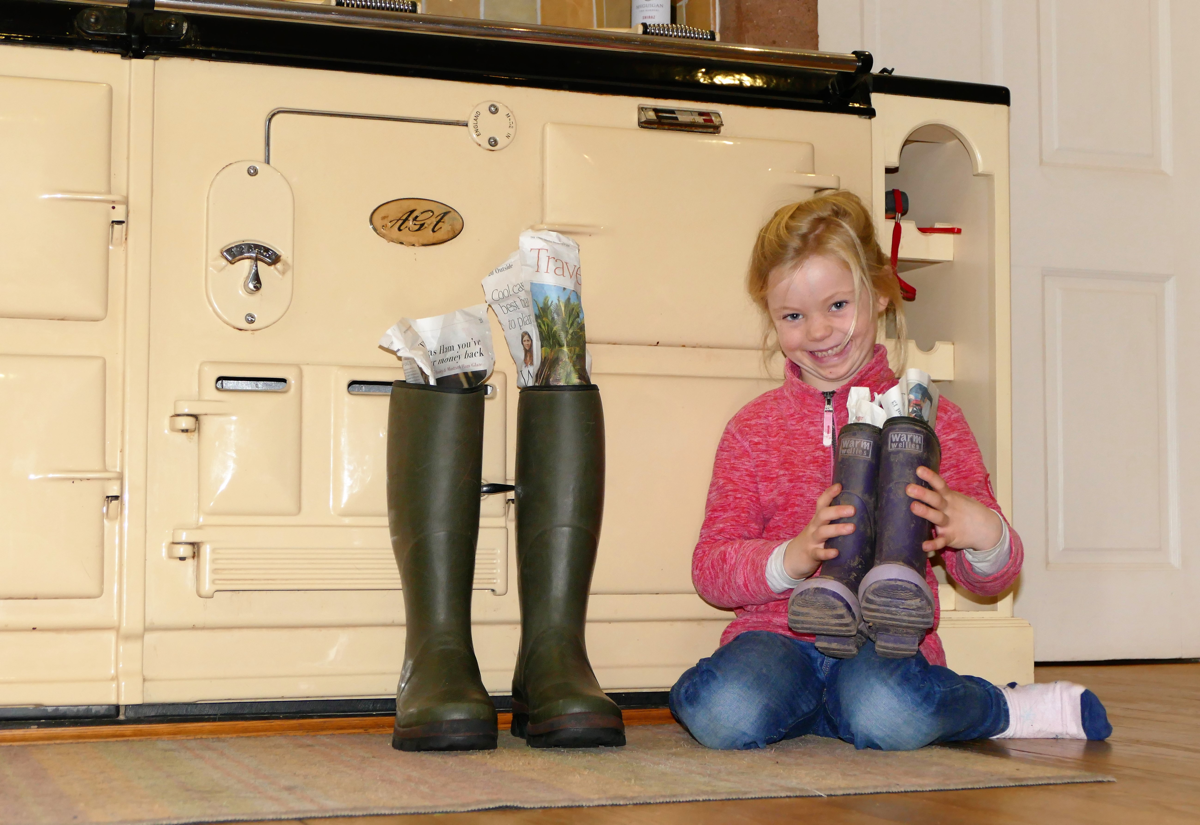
<point x="293" y="777"/>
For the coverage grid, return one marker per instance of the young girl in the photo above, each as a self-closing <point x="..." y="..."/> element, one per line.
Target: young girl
<point x="824" y="283"/>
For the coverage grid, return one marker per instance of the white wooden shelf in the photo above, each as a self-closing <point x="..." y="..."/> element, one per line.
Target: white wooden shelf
<point x="938" y="362"/>
<point x="917" y="247"/>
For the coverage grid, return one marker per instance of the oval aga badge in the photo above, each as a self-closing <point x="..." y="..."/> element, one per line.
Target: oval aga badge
<point x="416" y="222"/>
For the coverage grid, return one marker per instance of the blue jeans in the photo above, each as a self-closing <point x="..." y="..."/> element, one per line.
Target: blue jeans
<point x="763" y="687"/>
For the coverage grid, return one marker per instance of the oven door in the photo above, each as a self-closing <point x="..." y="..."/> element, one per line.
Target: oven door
<point x="62" y="287"/>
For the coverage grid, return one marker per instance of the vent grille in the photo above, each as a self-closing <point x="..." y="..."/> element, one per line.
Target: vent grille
<point x="326" y="568"/>
<point x="406" y="6"/>
<point x="677" y="31"/>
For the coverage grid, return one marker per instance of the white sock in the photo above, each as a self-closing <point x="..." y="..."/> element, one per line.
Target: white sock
<point x="1045" y="711"/>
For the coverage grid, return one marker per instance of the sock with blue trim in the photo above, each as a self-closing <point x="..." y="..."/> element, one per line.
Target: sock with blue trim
<point x="1054" y="710"/>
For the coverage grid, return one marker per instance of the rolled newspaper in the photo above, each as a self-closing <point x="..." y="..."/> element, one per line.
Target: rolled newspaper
<point x="893" y="401"/>
<point x="405" y="340"/>
<point x="507" y="293"/>
<point x="453" y="350"/>
<point x="861" y="409"/>
<point x="914" y="396"/>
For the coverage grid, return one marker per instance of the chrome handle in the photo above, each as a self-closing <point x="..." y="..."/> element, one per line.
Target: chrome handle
<point x="77" y="475"/>
<point x="111" y="490"/>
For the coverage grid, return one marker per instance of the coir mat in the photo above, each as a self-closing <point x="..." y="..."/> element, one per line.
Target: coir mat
<point x="294" y="777"/>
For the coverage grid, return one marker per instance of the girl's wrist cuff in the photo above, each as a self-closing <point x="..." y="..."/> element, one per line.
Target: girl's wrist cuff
<point x="777" y="578"/>
<point x="990" y="562"/>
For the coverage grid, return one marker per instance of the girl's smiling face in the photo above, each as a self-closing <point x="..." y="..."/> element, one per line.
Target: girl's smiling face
<point x="822" y="328"/>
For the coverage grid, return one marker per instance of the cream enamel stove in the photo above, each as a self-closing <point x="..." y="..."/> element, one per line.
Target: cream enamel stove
<point x="204" y="248"/>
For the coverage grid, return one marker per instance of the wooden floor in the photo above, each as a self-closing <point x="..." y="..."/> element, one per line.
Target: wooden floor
<point x="1154" y="754"/>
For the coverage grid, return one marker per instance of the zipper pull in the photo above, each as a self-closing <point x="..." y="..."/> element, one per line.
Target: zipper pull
<point x="827" y="421"/>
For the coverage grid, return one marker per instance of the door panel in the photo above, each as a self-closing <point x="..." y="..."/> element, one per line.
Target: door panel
<point x="360" y="418"/>
<point x="341" y="170"/>
<point x="249" y="439"/>
<point x="664" y="251"/>
<point x="360" y="414"/>
<point x="64" y="141"/>
<point x="48" y="668"/>
<point x="57" y="208"/>
<point x="55" y="481"/>
<point x="659" y="462"/>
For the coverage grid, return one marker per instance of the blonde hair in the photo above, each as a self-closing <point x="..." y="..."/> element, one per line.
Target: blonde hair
<point x="836" y="224"/>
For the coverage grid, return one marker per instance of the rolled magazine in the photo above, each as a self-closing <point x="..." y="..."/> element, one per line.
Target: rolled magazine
<point x="921" y="396"/>
<point x="535" y="295"/>
<point x="550" y="263"/>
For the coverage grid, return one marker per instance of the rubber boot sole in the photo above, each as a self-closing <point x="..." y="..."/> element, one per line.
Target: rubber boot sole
<point x="840" y="647"/>
<point x="828" y="610"/>
<point x="451" y="735"/>
<point x="897" y="606"/>
<point x="572" y="730"/>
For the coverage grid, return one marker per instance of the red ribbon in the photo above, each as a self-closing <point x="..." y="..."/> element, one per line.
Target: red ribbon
<point x="907" y="291"/>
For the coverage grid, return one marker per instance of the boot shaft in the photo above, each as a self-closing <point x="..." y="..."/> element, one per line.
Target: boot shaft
<point x="434" y="467"/>
<point x="560" y="457"/>
<point x="906" y="444"/>
<point x="559" y="501"/>
<point x="856" y="468"/>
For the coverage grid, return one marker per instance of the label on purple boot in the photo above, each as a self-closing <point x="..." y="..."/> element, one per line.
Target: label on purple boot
<point x="912" y="442"/>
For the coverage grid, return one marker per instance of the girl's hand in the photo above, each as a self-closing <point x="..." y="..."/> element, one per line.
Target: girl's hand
<point x="961" y="521"/>
<point x="805" y="553"/>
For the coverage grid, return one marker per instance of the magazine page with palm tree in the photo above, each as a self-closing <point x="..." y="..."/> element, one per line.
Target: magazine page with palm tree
<point x="559" y="316"/>
<point x="550" y="263"/>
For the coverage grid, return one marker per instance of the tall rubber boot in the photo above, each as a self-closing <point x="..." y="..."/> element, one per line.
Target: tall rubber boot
<point x="434" y="466"/>
<point x="897" y="603"/>
<point x="557" y="702"/>
<point x="826" y="605"/>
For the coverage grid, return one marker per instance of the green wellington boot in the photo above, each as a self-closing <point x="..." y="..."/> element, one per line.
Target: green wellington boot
<point x="434" y="465"/>
<point x="557" y="702"/>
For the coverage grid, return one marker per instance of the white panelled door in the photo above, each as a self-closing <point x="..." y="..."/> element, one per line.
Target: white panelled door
<point x="1105" y="174"/>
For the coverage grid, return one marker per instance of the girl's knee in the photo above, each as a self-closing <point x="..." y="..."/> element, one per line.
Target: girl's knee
<point x="879" y="705"/>
<point x="724" y="701"/>
<point x="719" y="711"/>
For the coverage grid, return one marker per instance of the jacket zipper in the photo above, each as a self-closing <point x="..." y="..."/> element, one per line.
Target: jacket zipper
<point x="827" y="420"/>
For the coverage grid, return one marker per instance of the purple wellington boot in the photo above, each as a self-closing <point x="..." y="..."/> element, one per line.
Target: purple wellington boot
<point x="826" y="605"/>
<point x="896" y="601"/>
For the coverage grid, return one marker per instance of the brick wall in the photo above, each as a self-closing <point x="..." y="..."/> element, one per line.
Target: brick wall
<point x="789" y="23"/>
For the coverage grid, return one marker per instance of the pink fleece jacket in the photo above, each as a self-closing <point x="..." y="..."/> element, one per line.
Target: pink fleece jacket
<point x="770" y="468"/>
